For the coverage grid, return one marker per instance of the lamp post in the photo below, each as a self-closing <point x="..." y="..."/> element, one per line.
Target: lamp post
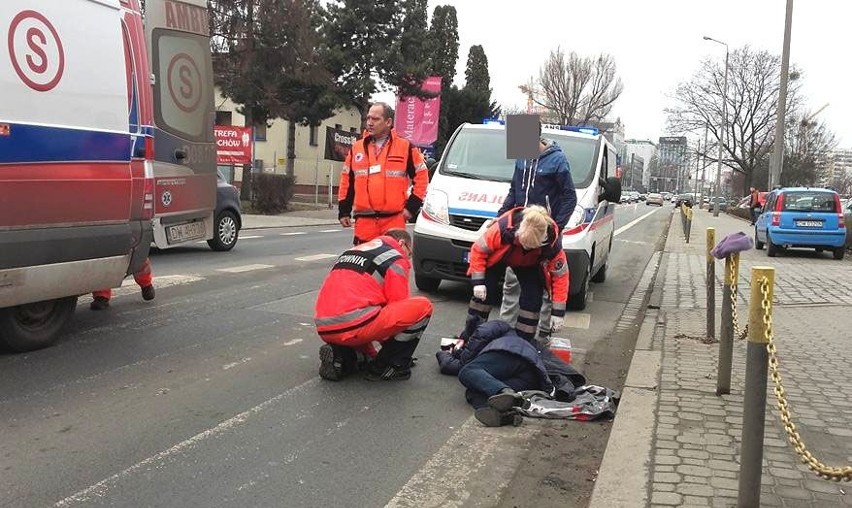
<point x="724" y="125"/>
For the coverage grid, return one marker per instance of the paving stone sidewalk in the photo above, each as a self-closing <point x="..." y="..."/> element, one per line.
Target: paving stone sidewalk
<point x="695" y="439"/>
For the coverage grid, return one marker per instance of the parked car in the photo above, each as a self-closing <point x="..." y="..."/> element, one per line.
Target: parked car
<point x="228" y="216"/>
<point x="683" y="199"/>
<point x="801" y="217"/>
<point x="654" y="198"/>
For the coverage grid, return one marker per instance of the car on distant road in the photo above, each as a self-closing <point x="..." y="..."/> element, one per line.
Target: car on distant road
<point x="802" y="217"/>
<point x="683" y="199"/>
<point x="654" y="198"/>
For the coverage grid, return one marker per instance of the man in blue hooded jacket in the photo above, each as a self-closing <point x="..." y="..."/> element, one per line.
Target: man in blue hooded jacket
<point x="544" y="181"/>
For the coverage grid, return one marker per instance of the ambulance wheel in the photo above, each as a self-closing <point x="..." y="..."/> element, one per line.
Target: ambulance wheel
<point x="35" y="325"/>
<point x="426" y="284"/>
<point x="577" y="301"/>
<point x="226" y="232"/>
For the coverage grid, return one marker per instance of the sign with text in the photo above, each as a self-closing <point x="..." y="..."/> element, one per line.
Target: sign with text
<point x="417" y="119"/>
<point x="233" y="145"/>
<point x="337" y="143"/>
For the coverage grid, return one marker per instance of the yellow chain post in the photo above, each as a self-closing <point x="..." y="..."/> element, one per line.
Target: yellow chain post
<point x="823" y="471"/>
<point x="754" y="399"/>
<point x="728" y="324"/>
<point x="734" y="283"/>
<point x="711" y="284"/>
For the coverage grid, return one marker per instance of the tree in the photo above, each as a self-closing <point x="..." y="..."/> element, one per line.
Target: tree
<point x="752" y="98"/>
<point x="476" y="75"/>
<point x="578" y="90"/>
<point x="444" y="50"/>
<point x="365" y="39"/>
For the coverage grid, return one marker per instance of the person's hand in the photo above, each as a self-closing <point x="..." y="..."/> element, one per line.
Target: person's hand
<point x="479" y="292"/>
<point x="406" y="214"/>
<point x="556" y="323"/>
<point x="345" y="222"/>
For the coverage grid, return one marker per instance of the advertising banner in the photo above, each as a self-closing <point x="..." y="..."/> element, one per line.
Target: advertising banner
<point x="337" y="143"/>
<point x="233" y="145"/>
<point x="417" y="119"/>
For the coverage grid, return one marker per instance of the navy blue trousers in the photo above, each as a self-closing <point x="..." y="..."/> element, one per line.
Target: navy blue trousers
<point x="493" y="371"/>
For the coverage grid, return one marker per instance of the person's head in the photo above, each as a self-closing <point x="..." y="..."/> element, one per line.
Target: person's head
<point x="532" y="232"/>
<point x="403" y="237"/>
<point x="379" y="119"/>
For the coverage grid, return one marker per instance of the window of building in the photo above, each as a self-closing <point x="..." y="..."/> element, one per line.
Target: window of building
<point x="338" y="126"/>
<point x="223" y="118"/>
<point x="313" y="131"/>
<point x="353" y="130"/>
<point x="260" y="132"/>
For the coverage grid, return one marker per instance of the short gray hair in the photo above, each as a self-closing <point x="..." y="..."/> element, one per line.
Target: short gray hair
<point x="387" y="111"/>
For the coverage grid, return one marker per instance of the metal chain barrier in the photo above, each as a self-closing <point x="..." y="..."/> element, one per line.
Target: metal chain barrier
<point x="823" y="471"/>
<point x="744" y="333"/>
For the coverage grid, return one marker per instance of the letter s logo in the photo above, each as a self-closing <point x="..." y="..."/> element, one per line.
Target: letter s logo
<point x="185" y="74"/>
<point x="37" y="47"/>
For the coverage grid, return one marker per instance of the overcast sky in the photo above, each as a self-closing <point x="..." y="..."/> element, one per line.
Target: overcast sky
<point x="656" y="44"/>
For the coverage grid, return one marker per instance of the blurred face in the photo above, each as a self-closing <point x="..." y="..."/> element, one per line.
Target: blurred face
<point x="377" y="124"/>
<point x="405" y="247"/>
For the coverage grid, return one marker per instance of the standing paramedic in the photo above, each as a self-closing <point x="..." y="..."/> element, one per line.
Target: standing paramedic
<point x="377" y="174"/>
<point x="365" y="299"/>
<point x="527" y="241"/>
<point x="545" y="181"/>
<point x="144" y="278"/>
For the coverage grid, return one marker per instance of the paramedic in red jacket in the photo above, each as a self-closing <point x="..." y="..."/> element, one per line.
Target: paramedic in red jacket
<point x="377" y="174"/>
<point x="526" y="240"/>
<point x="365" y="299"/>
<point x="144" y="278"/>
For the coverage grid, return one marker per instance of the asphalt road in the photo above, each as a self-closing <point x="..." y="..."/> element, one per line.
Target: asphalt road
<point x="209" y="394"/>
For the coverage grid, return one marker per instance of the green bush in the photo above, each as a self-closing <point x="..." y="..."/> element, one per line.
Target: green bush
<point x="271" y="192"/>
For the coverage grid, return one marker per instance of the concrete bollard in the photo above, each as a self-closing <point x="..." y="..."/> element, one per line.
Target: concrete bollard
<point x="754" y="400"/>
<point x="710" y="283"/>
<point x="688" y="229"/>
<point x="726" y="326"/>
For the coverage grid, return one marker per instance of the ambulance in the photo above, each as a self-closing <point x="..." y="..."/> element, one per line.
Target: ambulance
<point x="106" y="145"/>
<point x="473" y="178"/>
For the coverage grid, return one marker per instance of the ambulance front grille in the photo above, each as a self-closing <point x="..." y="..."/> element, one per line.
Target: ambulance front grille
<point x="467" y="222"/>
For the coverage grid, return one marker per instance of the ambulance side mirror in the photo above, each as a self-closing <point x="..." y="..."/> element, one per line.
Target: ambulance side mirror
<point x="431" y="165"/>
<point x="611" y="190"/>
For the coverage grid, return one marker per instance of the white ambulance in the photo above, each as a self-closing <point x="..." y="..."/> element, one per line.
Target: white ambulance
<point x="106" y="144"/>
<point x="469" y="186"/>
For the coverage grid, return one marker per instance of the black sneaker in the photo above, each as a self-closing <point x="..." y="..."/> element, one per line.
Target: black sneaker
<point x="329" y="369"/>
<point x="506" y="400"/>
<point x="148" y="292"/>
<point x="490" y="417"/>
<point x="387" y="373"/>
<point x="99" y="303"/>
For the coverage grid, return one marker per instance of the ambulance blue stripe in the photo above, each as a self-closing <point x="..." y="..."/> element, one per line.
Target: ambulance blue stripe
<point x="472" y="213"/>
<point x="36" y="143"/>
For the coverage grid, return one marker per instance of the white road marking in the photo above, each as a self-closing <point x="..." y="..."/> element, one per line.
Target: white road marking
<point x="292" y="342"/>
<point x="306" y="324"/>
<point x="252" y="237"/>
<point x="633" y="242"/>
<point x="330" y="230"/>
<point x="316" y="257"/>
<point x="100" y="488"/>
<point x="129" y="286"/>
<point x="231" y="365"/>
<point x="632" y="223"/>
<point x="244" y="268"/>
<point x="294" y="233"/>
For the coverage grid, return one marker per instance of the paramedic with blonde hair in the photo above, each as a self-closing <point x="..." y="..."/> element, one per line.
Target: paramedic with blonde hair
<point x="526" y="240"/>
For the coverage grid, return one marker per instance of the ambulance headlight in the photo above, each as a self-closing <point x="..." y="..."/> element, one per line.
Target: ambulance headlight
<point x="436" y="206"/>
<point x="576" y="218"/>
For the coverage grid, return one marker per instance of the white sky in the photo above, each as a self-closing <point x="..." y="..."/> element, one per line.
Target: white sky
<point x="656" y="44"/>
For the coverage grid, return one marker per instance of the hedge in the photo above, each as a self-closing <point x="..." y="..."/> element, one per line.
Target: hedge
<point x="271" y="192"/>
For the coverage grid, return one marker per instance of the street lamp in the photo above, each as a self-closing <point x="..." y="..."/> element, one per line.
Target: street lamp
<point x="724" y="126"/>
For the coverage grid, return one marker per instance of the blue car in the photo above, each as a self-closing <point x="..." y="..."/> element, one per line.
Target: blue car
<point x="801" y="217"/>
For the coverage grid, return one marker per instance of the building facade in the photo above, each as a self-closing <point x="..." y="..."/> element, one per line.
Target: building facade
<point x="672" y="164"/>
<point x="646" y="150"/>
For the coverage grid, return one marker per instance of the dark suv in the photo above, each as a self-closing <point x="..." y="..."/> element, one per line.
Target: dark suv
<point x="227" y="220"/>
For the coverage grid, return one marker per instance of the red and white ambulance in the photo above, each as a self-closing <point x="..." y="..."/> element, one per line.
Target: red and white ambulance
<point x="106" y="145"/>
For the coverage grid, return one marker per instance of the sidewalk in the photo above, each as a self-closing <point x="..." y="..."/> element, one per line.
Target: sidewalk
<point x="674" y="442"/>
<point x="296" y="218"/>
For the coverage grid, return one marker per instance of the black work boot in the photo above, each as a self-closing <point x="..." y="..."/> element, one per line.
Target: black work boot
<point x="330" y="367"/>
<point x="490" y="417"/>
<point x="378" y="371"/>
<point x="99" y="303"/>
<point x="148" y="292"/>
<point x="506" y="400"/>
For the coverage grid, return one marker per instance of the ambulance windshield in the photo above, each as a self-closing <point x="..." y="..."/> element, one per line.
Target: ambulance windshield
<point x="480" y="153"/>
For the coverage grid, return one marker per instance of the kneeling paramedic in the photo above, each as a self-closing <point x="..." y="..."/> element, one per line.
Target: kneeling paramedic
<point x="144" y="279"/>
<point x="527" y="241"/>
<point x="365" y="299"/>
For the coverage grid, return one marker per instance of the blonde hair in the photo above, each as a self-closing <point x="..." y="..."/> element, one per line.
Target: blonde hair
<point x="532" y="232"/>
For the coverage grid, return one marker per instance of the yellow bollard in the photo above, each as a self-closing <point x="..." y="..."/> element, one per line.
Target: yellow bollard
<point x="754" y="399"/>
<point x="710" y="283"/>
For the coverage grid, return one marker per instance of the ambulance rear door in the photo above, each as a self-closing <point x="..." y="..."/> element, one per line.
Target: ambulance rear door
<point x="184" y="161"/>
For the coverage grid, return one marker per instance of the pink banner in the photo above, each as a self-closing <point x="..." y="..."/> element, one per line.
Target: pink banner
<point x="417" y="119"/>
<point x="233" y="144"/>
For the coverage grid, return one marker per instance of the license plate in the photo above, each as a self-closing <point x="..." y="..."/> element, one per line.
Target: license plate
<point x="466" y="257"/>
<point x="185" y="232"/>
<point x="809" y="223"/>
